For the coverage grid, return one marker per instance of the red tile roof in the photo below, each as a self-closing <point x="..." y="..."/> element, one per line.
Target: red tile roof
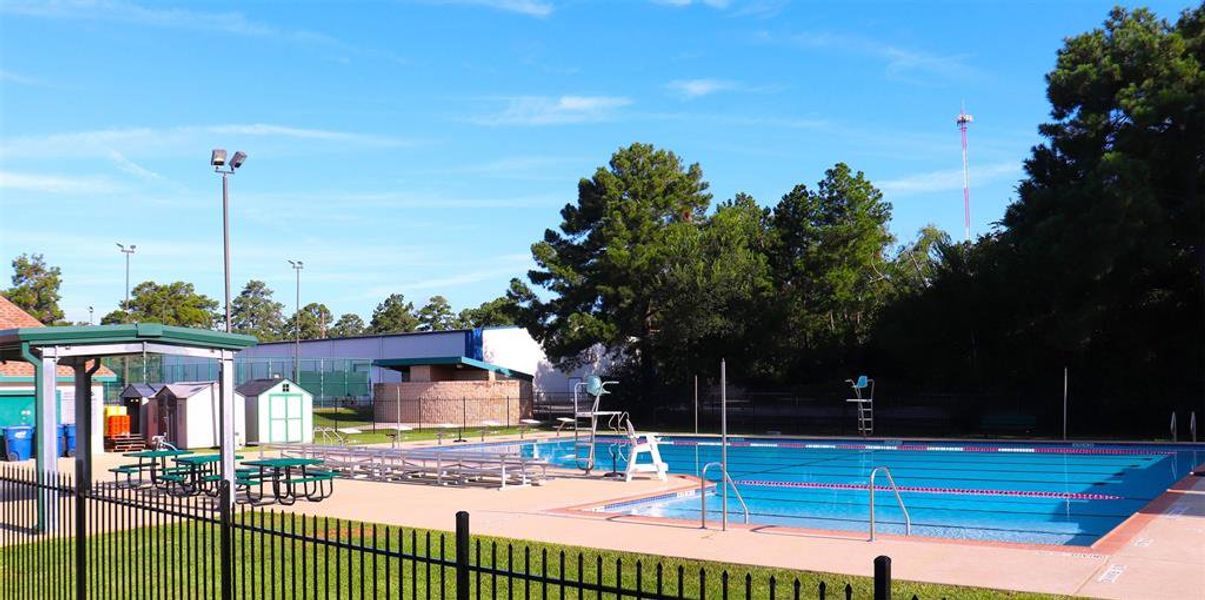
<point x="12" y="317"/>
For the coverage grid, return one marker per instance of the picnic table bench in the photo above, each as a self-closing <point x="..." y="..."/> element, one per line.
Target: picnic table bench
<point x="152" y="461"/>
<point x="195" y="473"/>
<point x="289" y="477"/>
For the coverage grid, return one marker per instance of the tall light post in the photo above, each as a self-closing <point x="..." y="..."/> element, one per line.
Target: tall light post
<point x="297" y="267"/>
<point x="127" y="251"/>
<point x="218" y="160"/>
<point x="90" y="316"/>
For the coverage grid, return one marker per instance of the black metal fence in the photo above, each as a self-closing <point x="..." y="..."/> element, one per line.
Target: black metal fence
<point x="141" y="544"/>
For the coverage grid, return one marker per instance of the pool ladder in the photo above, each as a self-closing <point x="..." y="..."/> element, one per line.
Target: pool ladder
<point x="894" y="488"/>
<point x="724" y="480"/>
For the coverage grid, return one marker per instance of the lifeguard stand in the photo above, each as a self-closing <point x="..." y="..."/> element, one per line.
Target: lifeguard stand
<point x="619" y="424"/>
<point x="863" y="389"/>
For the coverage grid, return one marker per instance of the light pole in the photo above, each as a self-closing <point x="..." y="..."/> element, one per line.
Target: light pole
<point x="297" y="267"/>
<point x="90" y="322"/>
<point x="218" y="160"/>
<point x="127" y="251"/>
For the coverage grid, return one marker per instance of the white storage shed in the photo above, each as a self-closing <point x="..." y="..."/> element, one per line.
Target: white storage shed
<point x="278" y="411"/>
<point x="187" y="414"/>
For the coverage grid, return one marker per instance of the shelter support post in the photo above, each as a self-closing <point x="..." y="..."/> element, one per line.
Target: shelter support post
<point x="227" y="449"/>
<point x="47" y="433"/>
<point x="83" y="468"/>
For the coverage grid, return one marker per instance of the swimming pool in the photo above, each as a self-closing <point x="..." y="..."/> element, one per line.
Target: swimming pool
<point x="1039" y="493"/>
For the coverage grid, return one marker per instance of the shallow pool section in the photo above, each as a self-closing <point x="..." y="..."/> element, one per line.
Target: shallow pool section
<point x="1038" y="493"/>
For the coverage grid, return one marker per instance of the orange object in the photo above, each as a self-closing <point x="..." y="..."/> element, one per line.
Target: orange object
<point x="116" y="425"/>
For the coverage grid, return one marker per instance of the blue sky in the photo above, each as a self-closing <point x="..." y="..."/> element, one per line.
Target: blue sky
<point x="421" y="147"/>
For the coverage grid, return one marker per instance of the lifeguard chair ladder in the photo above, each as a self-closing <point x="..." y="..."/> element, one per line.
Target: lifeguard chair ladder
<point x="586" y="422"/>
<point x="863" y="400"/>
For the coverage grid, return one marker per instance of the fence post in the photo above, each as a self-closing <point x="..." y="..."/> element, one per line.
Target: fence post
<point x="462" y="555"/>
<point x="882" y="578"/>
<point x="226" y="493"/>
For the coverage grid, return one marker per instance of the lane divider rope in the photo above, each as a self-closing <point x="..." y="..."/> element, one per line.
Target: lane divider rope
<point x="929" y="448"/>
<point x="930" y="490"/>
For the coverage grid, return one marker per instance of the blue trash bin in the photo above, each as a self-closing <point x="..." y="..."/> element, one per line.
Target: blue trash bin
<point x="18" y="442"/>
<point x="67" y="439"/>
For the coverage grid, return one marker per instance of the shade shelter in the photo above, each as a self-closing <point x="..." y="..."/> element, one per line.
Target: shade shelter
<point x="81" y="348"/>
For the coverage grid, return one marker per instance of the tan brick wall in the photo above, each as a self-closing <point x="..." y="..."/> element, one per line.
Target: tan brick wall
<point x="432" y="402"/>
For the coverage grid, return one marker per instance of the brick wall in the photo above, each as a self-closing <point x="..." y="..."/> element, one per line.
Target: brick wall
<point x="432" y="402"/>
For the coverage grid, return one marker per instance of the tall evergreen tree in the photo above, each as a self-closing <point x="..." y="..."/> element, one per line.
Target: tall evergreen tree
<point x="310" y="323"/>
<point x="436" y="315"/>
<point x="254" y="312"/>
<point x="348" y="325"/>
<point x="175" y="303"/>
<point x="36" y="288"/>
<point x="606" y="262"/>
<point x="393" y="315"/>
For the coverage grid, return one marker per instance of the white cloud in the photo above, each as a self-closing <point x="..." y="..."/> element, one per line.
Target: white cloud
<point x="133" y="168"/>
<point x="900" y="62"/>
<point x="711" y="3"/>
<point x="18" y="78"/>
<point x="146" y="141"/>
<point x="534" y="8"/>
<point x="125" y="12"/>
<point x="229" y="23"/>
<point x="545" y="110"/>
<point x="56" y="184"/>
<point x="947" y="180"/>
<point x="697" y="88"/>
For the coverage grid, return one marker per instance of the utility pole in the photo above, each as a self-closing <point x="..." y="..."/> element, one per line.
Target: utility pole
<point x="297" y="267"/>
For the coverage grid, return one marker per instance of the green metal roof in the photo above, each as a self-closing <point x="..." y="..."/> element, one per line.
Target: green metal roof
<point x="12" y="339"/>
<point x="398" y="364"/>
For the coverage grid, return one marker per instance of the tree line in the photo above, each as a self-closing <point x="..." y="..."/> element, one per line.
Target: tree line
<point x="35" y="288"/>
<point x="1096" y="265"/>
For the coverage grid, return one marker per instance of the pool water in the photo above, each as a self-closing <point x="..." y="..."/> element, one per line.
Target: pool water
<point x="1040" y="493"/>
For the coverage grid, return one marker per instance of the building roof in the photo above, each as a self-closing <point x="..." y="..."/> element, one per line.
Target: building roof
<point x="398" y="364"/>
<point x="188" y="389"/>
<point x="256" y="387"/>
<point x="388" y="335"/>
<point x="141" y="390"/>
<point x="12" y="317"/>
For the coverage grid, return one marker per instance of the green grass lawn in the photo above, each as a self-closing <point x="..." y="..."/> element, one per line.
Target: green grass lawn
<point x="179" y="560"/>
<point x="362" y="419"/>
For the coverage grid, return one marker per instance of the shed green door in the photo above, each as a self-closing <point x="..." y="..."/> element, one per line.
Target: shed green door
<point x="284" y="418"/>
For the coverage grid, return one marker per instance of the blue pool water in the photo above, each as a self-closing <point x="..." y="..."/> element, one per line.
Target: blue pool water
<point x="1068" y="494"/>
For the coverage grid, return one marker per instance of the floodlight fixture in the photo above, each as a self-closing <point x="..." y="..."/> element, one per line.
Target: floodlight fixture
<point x="218" y="157"/>
<point x="237" y="160"/>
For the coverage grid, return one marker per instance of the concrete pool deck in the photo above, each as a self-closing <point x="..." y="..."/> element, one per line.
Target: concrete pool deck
<point x="1157" y="553"/>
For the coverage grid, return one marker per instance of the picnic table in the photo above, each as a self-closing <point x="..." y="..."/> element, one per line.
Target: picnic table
<point x="199" y="473"/>
<point x="287" y="476"/>
<point x="154" y="461"/>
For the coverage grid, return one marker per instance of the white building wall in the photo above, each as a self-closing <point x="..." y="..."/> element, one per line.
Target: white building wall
<point x="510" y="347"/>
<point x="514" y="348"/>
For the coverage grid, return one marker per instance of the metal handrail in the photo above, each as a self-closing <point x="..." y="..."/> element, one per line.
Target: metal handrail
<point x="898" y="499"/>
<point x="703" y="495"/>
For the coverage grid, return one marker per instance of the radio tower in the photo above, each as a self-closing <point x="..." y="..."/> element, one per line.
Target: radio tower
<point x="963" y="120"/>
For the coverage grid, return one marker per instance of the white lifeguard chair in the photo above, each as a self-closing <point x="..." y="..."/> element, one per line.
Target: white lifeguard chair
<point x="863" y="388"/>
<point x="643" y="443"/>
<point x="585" y="440"/>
